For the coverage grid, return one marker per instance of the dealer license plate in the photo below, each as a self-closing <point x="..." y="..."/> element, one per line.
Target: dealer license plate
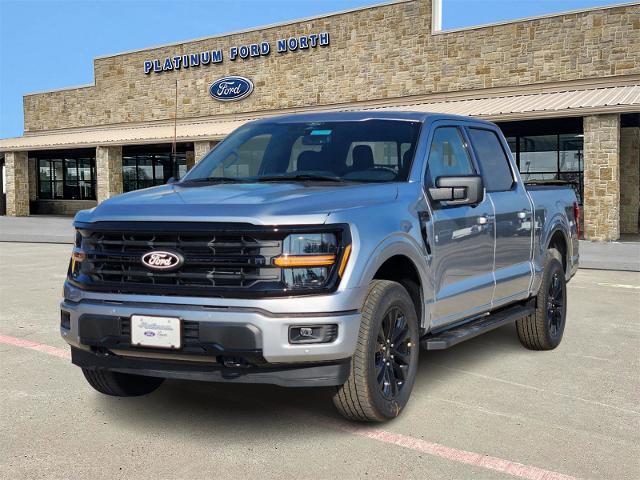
<point x="157" y="332"/>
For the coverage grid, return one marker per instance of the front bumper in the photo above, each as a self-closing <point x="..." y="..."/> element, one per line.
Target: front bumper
<point x="310" y="374"/>
<point x="254" y="335"/>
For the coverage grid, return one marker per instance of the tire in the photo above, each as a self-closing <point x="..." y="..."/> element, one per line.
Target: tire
<point x="382" y="377"/>
<point x="544" y="329"/>
<point x="121" y="384"/>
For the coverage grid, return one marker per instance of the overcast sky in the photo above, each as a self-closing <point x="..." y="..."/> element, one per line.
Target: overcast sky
<point x="51" y="44"/>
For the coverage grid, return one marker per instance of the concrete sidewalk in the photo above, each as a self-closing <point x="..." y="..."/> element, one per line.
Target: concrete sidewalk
<point x="623" y="255"/>
<point x="36" y="229"/>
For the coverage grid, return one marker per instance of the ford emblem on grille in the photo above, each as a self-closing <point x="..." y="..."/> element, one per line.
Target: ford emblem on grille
<point x="159" y="260"/>
<point x="228" y="89"/>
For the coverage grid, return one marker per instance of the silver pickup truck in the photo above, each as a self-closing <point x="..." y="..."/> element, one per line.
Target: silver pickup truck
<point x="321" y="249"/>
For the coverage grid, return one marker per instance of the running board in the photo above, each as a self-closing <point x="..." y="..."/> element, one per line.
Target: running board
<point x="471" y="329"/>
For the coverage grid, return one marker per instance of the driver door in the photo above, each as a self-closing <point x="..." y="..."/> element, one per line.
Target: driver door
<point x="461" y="237"/>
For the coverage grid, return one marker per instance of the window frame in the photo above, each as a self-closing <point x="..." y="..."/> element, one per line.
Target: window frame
<point x="63" y="158"/>
<point x="154" y="153"/>
<point x="578" y="186"/>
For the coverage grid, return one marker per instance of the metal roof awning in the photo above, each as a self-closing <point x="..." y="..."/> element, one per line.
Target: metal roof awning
<point x="123" y="135"/>
<point x="521" y="107"/>
<point x="569" y="102"/>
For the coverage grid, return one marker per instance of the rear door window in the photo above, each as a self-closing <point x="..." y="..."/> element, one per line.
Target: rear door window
<point x="494" y="163"/>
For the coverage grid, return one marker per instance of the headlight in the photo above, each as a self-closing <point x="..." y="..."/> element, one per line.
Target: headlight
<point x="307" y="259"/>
<point x="77" y="256"/>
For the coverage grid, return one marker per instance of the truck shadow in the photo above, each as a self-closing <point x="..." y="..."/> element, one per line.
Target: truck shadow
<point x="238" y="410"/>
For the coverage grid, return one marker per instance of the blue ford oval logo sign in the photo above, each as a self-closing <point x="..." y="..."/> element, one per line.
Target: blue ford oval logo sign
<point x="228" y="89"/>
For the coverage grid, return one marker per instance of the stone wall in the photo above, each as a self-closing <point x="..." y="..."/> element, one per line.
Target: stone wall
<point x="629" y="179"/>
<point x="17" y="183"/>
<point x="602" y="177"/>
<point x="380" y="52"/>
<point x="201" y="149"/>
<point x="61" y="207"/>
<point x="108" y="171"/>
<point x="33" y="179"/>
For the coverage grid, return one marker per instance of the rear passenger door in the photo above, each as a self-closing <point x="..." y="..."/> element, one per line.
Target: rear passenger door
<point x="460" y="238"/>
<point x="513" y="211"/>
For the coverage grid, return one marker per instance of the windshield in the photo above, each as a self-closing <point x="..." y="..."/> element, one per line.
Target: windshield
<point x="347" y="151"/>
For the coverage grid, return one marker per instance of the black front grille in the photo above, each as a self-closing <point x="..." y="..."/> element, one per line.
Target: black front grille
<point x="219" y="259"/>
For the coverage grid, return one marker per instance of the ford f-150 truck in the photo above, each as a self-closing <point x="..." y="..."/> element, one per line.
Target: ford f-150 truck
<point x="320" y="249"/>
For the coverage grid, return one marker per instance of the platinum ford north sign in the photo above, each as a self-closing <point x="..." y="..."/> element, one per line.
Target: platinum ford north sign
<point x="244" y="52"/>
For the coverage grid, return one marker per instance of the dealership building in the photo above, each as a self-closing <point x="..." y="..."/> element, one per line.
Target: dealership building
<point x="564" y="88"/>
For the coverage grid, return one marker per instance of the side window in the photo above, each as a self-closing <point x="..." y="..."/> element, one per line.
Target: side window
<point x="493" y="161"/>
<point x="448" y="155"/>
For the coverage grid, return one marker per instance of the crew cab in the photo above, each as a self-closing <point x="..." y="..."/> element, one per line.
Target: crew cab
<point x="320" y="250"/>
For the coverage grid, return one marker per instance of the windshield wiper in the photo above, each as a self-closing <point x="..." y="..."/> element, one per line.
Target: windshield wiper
<point x="301" y="177"/>
<point x="215" y="180"/>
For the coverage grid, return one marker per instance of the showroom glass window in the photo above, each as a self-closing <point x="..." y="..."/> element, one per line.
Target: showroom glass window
<point x="550" y="157"/>
<point x="149" y="165"/>
<point x="66" y="175"/>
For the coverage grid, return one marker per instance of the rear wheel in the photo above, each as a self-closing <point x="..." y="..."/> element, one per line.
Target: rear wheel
<point x="121" y="384"/>
<point x="383" y="368"/>
<point x="544" y="329"/>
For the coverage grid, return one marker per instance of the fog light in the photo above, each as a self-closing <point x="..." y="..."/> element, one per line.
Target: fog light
<point x="313" y="333"/>
<point x="65" y="320"/>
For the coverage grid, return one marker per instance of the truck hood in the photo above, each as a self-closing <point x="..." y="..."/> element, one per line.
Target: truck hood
<point x="256" y="203"/>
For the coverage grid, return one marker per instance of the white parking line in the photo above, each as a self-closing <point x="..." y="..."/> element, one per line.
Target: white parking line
<point x="618" y="285"/>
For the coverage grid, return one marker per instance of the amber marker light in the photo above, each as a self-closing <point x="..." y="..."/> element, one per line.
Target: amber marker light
<point x="293" y="261"/>
<point x="345" y="259"/>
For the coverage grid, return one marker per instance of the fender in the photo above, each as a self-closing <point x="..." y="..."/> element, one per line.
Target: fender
<point x="556" y="224"/>
<point x="393" y="245"/>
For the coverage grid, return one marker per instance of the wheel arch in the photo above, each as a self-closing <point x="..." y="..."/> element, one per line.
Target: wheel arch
<point x="558" y="239"/>
<point x="400" y="261"/>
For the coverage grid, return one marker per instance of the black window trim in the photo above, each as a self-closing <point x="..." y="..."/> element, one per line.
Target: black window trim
<point x="507" y="154"/>
<point x="62" y="157"/>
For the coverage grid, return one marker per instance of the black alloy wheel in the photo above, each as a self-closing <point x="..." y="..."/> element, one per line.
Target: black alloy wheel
<point x="385" y="363"/>
<point x="393" y="355"/>
<point x="555" y="304"/>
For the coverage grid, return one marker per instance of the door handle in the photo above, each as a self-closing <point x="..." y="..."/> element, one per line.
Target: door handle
<point x="482" y="220"/>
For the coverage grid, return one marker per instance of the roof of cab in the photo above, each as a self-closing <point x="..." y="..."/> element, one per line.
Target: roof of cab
<point x="363" y="115"/>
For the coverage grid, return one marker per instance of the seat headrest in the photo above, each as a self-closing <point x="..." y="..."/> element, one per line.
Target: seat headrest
<point x="362" y="157"/>
<point x="309" y="161"/>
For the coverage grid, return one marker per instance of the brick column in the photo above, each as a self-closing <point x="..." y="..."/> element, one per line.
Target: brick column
<point x="202" y="148"/>
<point x="191" y="159"/>
<point x="108" y="171"/>
<point x="629" y="179"/>
<point x="602" y="177"/>
<point x="33" y="177"/>
<point x="17" y="176"/>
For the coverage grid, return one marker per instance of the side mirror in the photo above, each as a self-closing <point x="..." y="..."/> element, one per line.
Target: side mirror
<point x="464" y="190"/>
<point x="171" y="180"/>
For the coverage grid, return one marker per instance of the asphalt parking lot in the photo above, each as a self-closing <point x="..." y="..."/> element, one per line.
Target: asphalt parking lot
<point x="487" y="408"/>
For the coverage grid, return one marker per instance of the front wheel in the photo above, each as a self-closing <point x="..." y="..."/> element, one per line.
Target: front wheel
<point x="543" y="330"/>
<point x="383" y="368"/>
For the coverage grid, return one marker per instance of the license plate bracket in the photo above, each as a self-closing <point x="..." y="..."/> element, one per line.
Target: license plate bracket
<point x="156" y="332"/>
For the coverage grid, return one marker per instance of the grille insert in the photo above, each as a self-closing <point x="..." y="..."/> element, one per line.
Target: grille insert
<point x="212" y="260"/>
<point x="220" y="260"/>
